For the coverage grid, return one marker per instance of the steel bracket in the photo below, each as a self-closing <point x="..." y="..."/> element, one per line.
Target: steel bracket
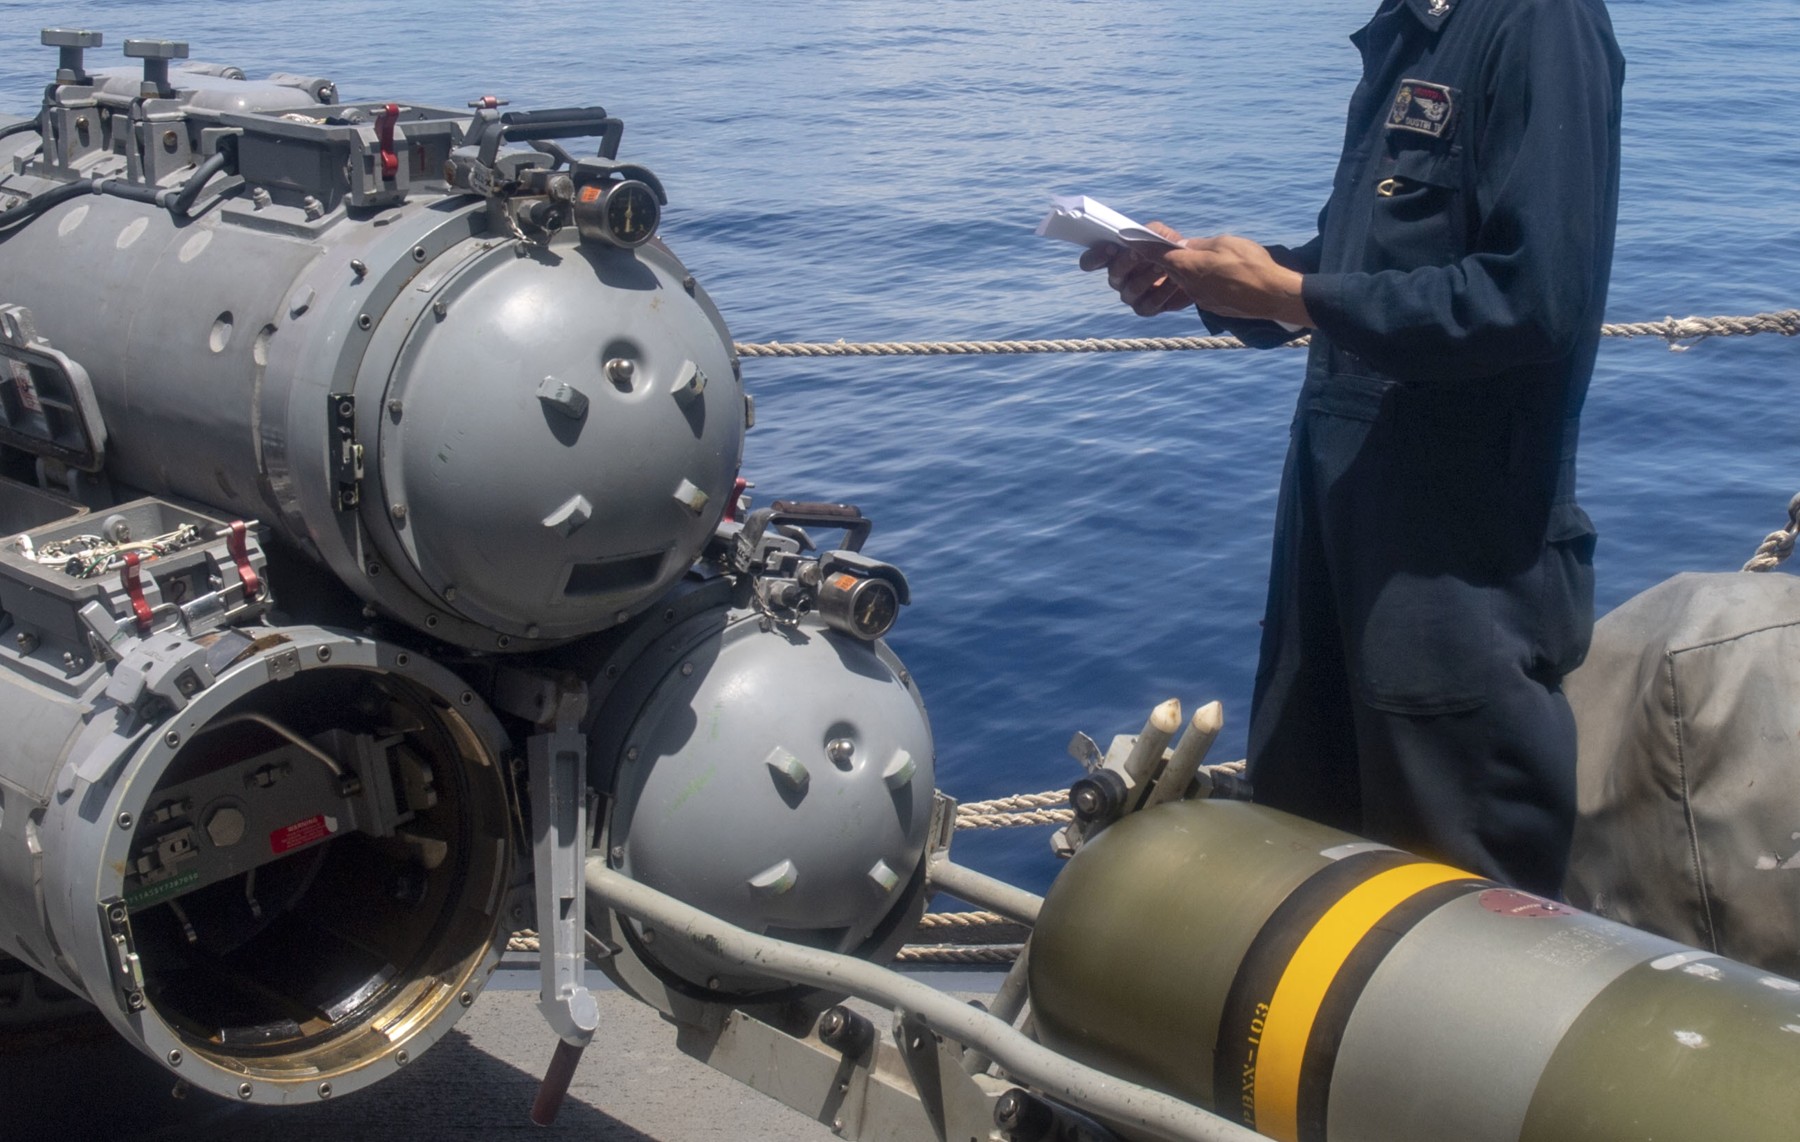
<point x="556" y="766"/>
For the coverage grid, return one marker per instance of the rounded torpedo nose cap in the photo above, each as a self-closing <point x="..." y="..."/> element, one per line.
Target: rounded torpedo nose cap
<point x="558" y="445"/>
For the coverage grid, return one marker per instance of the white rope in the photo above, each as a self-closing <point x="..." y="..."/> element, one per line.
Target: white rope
<point x="1014" y="820"/>
<point x="1769" y="554"/>
<point x="1017" y="811"/>
<point x="1680" y="333"/>
<point x="959" y="954"/>
<point x="962" y="920"/>
<point x="1015" y="803"/>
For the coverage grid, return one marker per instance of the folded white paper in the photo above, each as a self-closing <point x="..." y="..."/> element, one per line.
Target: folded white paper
<point x="1083" y="221"/>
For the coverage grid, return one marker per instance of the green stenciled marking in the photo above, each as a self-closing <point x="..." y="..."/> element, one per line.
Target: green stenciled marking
<point x="151" y="893"/>
<point x="693" y="787"/>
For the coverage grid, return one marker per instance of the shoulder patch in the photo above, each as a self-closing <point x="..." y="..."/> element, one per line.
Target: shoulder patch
<point x="1423" y="108"/>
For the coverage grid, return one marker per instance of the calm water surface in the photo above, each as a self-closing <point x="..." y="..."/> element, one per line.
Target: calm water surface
<point x="1085" y="535"/>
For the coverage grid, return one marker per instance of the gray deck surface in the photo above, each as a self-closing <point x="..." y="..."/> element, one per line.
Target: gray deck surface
<point x="476" y="1083"/>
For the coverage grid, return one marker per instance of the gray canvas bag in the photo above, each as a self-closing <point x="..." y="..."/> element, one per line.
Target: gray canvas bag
<point x="1688" y="709"/>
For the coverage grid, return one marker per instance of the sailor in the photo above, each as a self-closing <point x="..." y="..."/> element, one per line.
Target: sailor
<point x="1432" y="575"/>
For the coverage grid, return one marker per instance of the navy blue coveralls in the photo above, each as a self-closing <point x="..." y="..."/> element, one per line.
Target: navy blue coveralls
<point x="1432" y="574"/>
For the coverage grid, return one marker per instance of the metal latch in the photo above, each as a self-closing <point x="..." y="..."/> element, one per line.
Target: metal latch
<point x="346" y="454"/>
<point x="126" y="970"/>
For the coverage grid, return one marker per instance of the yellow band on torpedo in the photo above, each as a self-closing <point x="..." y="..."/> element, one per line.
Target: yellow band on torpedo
<point x="1309" y="974"/>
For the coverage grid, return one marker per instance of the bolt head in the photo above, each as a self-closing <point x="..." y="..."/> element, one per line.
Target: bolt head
<point x="225" y="826"/>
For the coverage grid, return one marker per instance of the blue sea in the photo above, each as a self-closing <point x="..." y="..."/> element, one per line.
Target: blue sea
<point x="1085" y="535"/>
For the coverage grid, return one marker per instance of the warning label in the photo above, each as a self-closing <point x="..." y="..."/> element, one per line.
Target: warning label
<point x="1512" y="902"/>
<point x="301" y="833"/>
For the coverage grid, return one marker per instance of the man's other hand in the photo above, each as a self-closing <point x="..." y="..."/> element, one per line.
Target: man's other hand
<point x="1143" y="283"/>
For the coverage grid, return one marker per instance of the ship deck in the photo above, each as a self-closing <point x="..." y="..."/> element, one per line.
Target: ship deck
<point x="478" y="1082"/>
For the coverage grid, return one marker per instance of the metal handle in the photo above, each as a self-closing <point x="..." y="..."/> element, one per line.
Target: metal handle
<point x="804" y="514"/>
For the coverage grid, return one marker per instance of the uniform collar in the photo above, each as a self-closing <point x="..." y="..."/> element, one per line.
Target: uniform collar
<point x="1432" y="13"/>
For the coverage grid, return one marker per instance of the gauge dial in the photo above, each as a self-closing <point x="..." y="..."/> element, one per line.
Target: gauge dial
<point x="861" y="607"/>
<point x="874" y="608"/>
<point x="631" y="213"/>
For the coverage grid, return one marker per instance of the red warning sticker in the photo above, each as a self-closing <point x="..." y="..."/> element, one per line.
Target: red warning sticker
<point x="1512" y="902"/>
<point x="301" y="833"/>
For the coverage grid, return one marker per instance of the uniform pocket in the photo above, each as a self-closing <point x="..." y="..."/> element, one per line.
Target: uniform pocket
<point x="1416" y="217"/>
<point x="1428" y="646"/>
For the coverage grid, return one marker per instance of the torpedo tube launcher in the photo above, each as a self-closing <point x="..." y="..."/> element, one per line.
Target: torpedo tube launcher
<point x="376" y="581"/>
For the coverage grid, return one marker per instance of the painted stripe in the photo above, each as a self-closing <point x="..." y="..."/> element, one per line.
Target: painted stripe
<point x="1318" y="1071"/>
<point x="1308" y="976"/>
<point x="1260" y="969"/>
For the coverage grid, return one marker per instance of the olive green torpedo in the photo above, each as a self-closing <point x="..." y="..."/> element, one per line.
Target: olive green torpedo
<point x="1317" y="987"/>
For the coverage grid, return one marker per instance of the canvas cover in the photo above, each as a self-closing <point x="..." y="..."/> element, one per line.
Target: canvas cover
<point x="1688" y="707"/>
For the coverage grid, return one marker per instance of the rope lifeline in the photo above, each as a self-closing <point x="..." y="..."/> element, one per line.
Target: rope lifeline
<point x="1769" y="554"/>
<point x="1017" y="811"/>
<point x="959" y="954"/>
<point x="1680" y="333"/>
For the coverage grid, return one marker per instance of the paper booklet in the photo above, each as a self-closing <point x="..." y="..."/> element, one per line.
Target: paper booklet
<point x="1083" y="221"/>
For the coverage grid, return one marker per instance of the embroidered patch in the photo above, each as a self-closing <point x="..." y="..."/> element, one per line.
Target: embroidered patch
<point x="1424" y="108"/>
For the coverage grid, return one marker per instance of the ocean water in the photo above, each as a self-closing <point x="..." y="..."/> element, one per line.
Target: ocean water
<point x="1085" y="535"/>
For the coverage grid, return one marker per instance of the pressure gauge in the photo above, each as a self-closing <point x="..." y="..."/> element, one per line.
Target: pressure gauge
<point x="623" y="213"/>
<point x="862" y="608"/>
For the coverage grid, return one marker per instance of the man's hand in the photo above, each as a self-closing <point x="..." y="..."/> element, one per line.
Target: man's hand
<point x="1229" y="276"/>
<point x="1235" y="277"/>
